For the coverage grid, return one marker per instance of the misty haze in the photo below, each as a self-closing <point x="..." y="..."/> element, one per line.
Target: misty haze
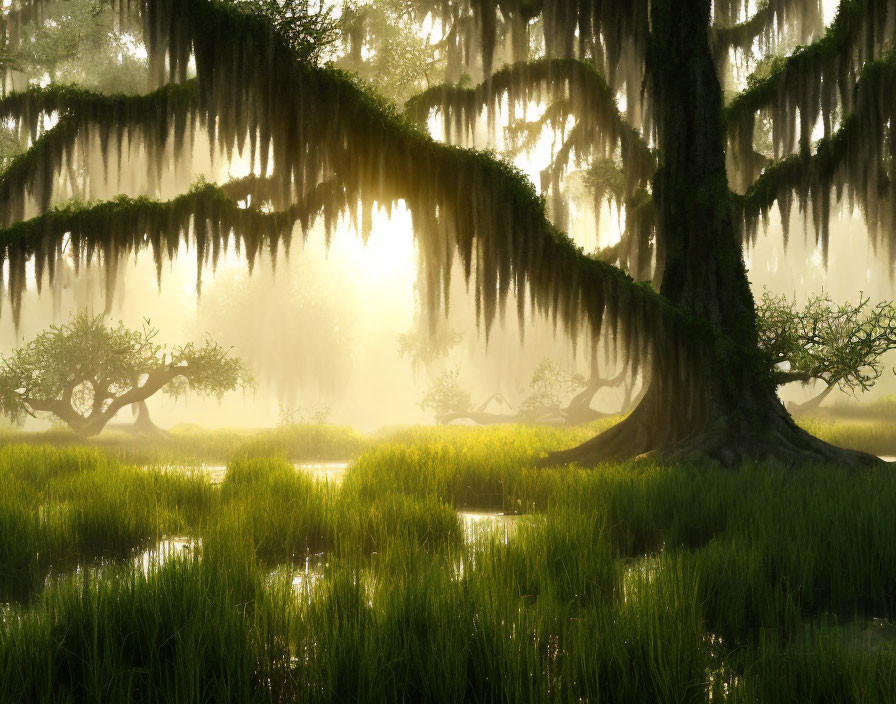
<point x="447" y="350"/>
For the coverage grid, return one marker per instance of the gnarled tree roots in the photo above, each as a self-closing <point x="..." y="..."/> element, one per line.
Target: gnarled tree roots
<point x="729" y="440"/>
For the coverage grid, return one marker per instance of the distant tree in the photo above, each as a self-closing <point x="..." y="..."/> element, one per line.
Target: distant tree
<point x="386" y="50"/>
<point x="79" y="41"/>
<point x="424" y="347"/>
<point x="550" y="388"/>
<point x="84" y="372"/>
<point x="446" y="398"/>
<point x="318" y="414"/>
<point x="840" y="345"/>
<point x="555" y="395"/>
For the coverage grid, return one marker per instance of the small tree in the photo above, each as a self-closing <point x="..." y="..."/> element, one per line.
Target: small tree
<point x="424" y="347"/>
<point x="550" y="388"/>
<point x="446" y="398"/>
<point x="840" y="345"/>
<point x="84" y="372"/>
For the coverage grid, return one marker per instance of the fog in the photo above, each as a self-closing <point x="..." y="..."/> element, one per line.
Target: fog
<point x="319" y="326"/>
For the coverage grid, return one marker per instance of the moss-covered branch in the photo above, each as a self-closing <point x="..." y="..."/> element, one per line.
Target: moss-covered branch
<point x="771" y="19"/>
<point x="601" y="129"/>
<point x="798" y="90"/>
<point x="114" y="120"/>
<point x="742" y="35"/>
<point x="322" y="127"/>
<point x="858" y="159"/>
<point x="609" y="33"/>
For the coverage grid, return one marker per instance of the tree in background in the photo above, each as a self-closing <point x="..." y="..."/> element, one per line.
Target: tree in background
<point x="339" y="150"/>
<point x="384" y="47"/>
<point x="423" y="347"/>
<point x="446" y="398"/>
<point x="84" y="373"/>
<point x="841" y="345"/>
<point x="554" y="395"/>
<point x="83" y="42"/>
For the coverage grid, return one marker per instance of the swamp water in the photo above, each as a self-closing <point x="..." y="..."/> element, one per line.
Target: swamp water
<point x="303" y="578"/>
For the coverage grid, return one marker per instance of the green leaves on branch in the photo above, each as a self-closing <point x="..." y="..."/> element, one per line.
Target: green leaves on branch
<point x="309" y="32"/>
<point x="84" y="372"/>
<point x="446" y="396"/>
<point x="839" y="344"/>
<point x="586" y="96"/>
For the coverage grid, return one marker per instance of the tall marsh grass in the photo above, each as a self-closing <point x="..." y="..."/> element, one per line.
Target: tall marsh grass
<point x="622" y="583"/>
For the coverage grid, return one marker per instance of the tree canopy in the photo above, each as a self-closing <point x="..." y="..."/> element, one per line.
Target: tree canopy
<point x="841" y="345"/>
<point x="84" y="372"/>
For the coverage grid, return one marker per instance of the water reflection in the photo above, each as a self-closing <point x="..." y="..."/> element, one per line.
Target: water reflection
<point x="330" y="472"/>
<point x="165" y="549"/>
<point x="478" y="524"/>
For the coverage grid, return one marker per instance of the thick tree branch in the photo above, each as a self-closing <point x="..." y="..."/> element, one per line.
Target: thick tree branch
<point x="464" y="203"/>
<point x="813" y="403"/>
<point x="83" y="114"/>
<point x="811" y="81"/>
<point x="99" y="417"/>
<point x="784" y="377"/>
<point x="852" y="159"/>
<point x="742" y="35"/>
<point x="487" y="211"/>
<point x="601" y="127"/>
<point x="771" y="19"/>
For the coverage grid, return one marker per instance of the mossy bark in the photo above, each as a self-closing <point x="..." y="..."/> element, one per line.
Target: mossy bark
<point x="721" y="405"/>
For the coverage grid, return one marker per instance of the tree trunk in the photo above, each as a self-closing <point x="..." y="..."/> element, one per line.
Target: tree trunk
<point x="812" y="404"/>
<point x="143" y="424"/>
<point x="725" y="407"/>
<point x="93" y="424"/>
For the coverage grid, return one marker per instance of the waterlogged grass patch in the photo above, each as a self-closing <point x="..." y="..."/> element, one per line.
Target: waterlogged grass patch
<point x="448" y="565"/>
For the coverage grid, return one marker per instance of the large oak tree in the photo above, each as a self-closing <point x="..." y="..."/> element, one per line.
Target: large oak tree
<point x="693" y="179"/>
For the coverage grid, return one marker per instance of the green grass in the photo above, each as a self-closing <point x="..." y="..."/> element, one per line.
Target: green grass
<point x="875" y="436"/>
<point x="622" y="583"/>
<point x="62" y="507"/>
<point x="192" y="445"/>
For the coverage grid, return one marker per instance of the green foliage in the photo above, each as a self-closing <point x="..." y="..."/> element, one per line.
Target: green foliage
<point x="10" y="147"/>
<point x="64" y="507"/>
<point x="306" y="441"/>
<point x="85" y="371"/>
<point x="551" y="387"/>
<point x="384" y="47"/>
<point x="626" y="582"/>
<point x="82" y="42"/>
<point x="606" y="180"/>
<point x="839" y="344"/>
<point x="446" y="396"/>
<point x="309" y="32"/>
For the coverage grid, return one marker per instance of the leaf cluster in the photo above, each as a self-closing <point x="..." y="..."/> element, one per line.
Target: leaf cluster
<point x="309" y="32"/>
<point x="839" y="344"/>
<point x="551" y="386"/>
<point x="88" y="364"/>
<point x="446" y="395"/>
